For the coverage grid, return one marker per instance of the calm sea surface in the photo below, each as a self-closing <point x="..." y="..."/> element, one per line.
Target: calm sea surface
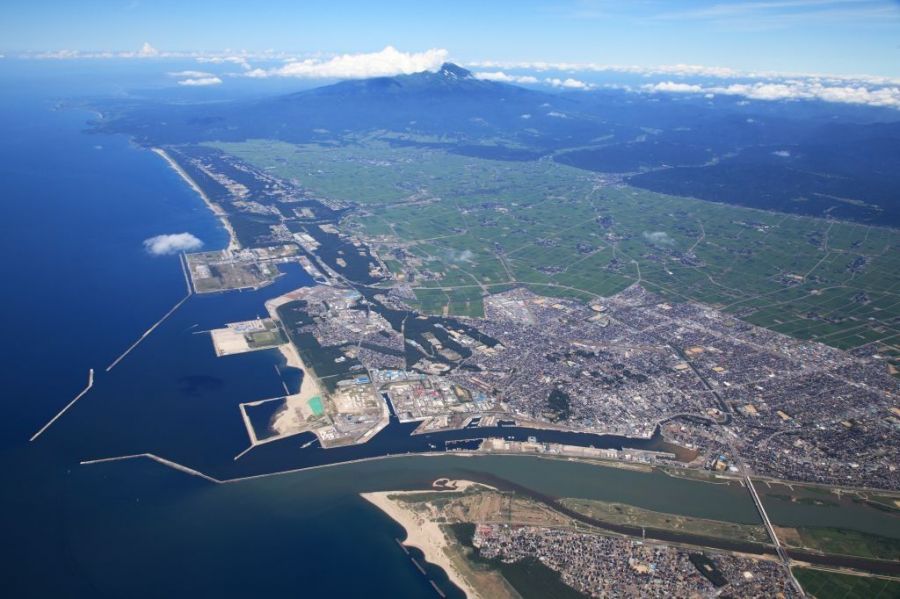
<point x="78" y="288"/>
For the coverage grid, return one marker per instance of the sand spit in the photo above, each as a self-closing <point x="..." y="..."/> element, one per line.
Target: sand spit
<point x="423" y="533"/>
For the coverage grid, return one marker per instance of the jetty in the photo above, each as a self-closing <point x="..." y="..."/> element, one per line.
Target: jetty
<point x="68" y="405"/>
<point x="147" y="333"/>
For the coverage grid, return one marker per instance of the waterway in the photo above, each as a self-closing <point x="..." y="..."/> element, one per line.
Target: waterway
<point x="80" y="288"/>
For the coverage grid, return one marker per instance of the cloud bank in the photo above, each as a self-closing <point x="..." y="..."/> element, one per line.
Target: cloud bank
<point x="240" y="60"/>
<point x="386" y="63"/>
<point x="163" y="245"/>
<point x="757" y="85"/>
<point x="200" y="81"/>
<point x="813" y="88"/>
<point x="196" y="78"/>
<point x="505" y="78"/>
<point x="567" y="83"/>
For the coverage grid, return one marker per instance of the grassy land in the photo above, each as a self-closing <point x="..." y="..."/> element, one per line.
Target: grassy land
<point x="830" y="585"/>
<point x="617" y="513"/>
<point x="843" y="541"/>
<point x="469" y="227"/>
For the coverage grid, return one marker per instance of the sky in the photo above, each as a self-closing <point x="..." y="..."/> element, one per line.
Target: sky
<point x="845" y="37"/>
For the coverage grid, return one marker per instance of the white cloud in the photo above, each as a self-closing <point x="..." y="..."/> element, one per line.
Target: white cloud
<point x="672" y="86"/>
<point x="162" y="245"/>
<point x="191" y="74"/>
<point x="200" y="81"/>
<point x="782" y="153"/>
<point x="385" y="63"/>
<point x="791" y="89"/>
<point x="679" y="70"/>
<point x="658" y="238"/>
<point x="568" y="83"/>
<point x="558" y="115"/>
<point x="145" y="51"/>
<point x="505" y="78"/>
<point x="525" y="116"/>
<point x="241" y="61"/>
<point x="813" y="90"/>
<point x="573" y="67"/>
<point x="148" y="51"/>
<point x="59" y="54"/>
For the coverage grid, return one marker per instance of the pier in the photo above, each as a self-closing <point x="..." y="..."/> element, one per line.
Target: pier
<point x="68" y="405"/>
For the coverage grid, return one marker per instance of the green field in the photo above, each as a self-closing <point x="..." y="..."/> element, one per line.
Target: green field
<point x="849" y="542"/>
<point x="830" y="585"/>
<point x="268" y="338"/>
<point x="619" y="513"/>
<point x="469" y="227"/>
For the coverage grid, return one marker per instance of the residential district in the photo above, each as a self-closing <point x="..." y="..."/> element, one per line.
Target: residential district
<point x="607" y="566"/>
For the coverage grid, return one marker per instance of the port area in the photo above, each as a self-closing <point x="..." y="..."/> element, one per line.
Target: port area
<point x="625" y="456"/>
<point x="354" y="356"/>
<point x="249" y="268"/>
<point x="336" y="401"/>
<point x="246" y="336"/>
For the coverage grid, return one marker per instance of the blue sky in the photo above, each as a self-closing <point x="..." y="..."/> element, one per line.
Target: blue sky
<point x="825" y="36"/>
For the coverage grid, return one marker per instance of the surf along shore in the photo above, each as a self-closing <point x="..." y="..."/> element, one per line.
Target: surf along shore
<point x="423" y="533"/>
<point x="233" y="243"/>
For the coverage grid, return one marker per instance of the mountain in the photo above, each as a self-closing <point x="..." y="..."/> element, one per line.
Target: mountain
<point x="449" y="102"/>
<point x="448" y="81"/>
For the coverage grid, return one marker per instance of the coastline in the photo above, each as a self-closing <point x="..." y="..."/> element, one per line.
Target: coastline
<point x="233" y="243"/>
<point x="423" y="534"/>
<point x="287" y="423"/>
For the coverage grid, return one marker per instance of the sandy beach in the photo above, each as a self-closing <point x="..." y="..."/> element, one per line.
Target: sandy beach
<point x="290" y="421"/>
<point x="423" y="533"/>
<point x="233" y="243"/>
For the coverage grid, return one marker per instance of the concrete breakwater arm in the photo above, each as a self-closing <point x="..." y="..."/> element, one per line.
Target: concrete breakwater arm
<point x="68" y="405"/>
